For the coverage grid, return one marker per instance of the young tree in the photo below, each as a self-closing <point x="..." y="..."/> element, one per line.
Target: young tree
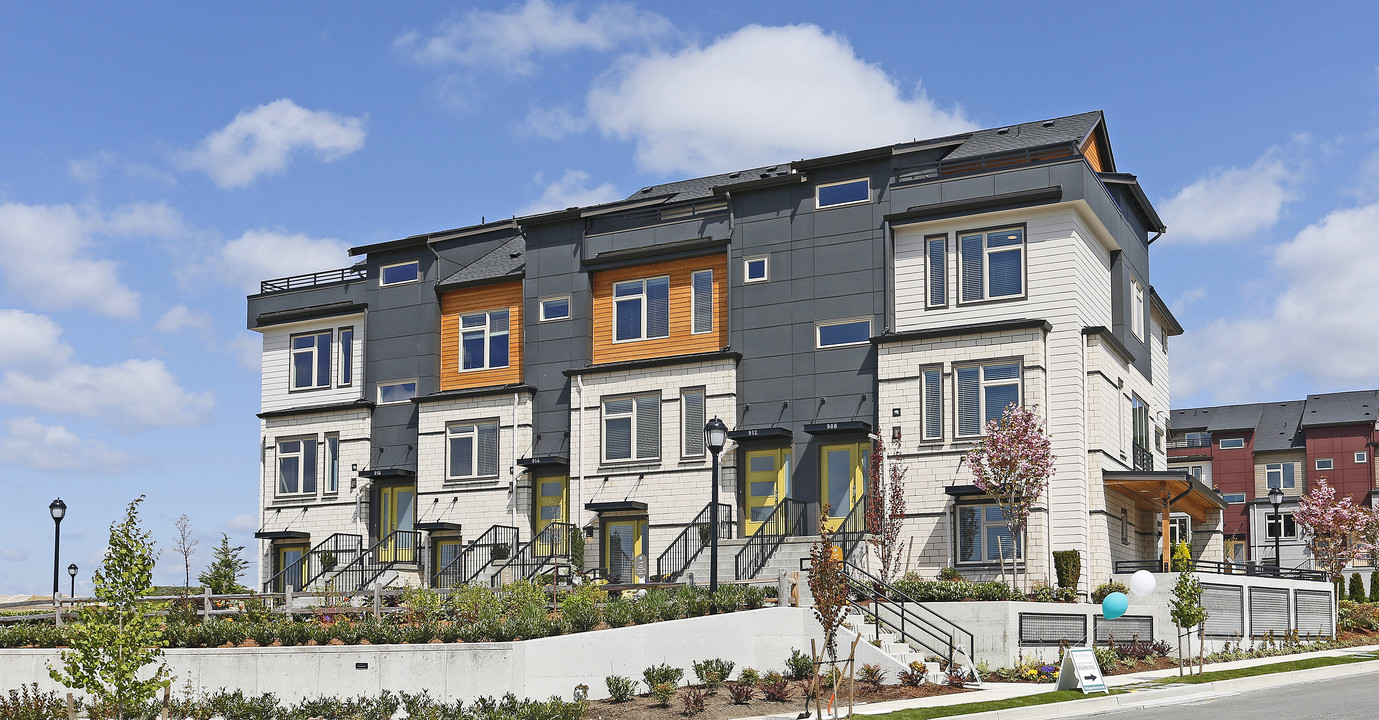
<point x="117" y="636"/>
<point x="222" y="576"/>
<point x="1013" y="463"/>
<point x="828" y="585"/>
<point x="1187" y="613"/>
<point x="186" y="547"/>
<point x="1338" y="530"/>
<point x="886" y="507"/>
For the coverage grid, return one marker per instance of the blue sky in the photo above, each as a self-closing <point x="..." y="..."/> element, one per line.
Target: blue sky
<point x="157" y="160"/>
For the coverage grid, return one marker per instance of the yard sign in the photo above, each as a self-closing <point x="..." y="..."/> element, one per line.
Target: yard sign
<point x="1080" y="671"/>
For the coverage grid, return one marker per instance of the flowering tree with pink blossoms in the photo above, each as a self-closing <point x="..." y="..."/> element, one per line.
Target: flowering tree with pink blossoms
<point x="1013" y="463"/>
<point x="1338" y="530"/>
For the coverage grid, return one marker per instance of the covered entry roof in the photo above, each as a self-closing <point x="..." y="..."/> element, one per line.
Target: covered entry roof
<point x="1187" y="493"/>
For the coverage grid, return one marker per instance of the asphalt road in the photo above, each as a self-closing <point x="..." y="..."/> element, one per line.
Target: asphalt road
<point x="1343" y="698"/>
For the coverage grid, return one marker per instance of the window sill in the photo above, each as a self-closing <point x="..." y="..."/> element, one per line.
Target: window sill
<point x="615" y="465"/>
<point x="988" y="565"/>
<point x="993" y="301"/>
<point x="467" y="481"/>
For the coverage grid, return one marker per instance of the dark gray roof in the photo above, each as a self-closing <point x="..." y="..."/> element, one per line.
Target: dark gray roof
<point x="1234" y="417"/>
<point x="508" y="260"/>
<point x="1342" y="408"/>
<point x="1190" y="419"/>
<point x="1057" y="131"/>
<point x="703" y="187"/>
<point x="1279" y="427"/>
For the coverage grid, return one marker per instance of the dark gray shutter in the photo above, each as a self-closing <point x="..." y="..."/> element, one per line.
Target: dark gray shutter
<point x="1225" y="606"/>
<point x="1313" y="608"/>
<point x="1268" y="611"/>
<point x="309" y="464"/>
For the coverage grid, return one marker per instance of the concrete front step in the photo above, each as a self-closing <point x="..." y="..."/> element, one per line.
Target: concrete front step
<point x="786" y="557"/>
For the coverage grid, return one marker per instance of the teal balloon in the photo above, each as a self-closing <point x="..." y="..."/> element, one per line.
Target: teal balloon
<point x="1114" y="605"/>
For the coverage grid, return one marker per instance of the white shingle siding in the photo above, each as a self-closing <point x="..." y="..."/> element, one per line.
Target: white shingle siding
<point x="277" y="361"/>
<point x="476" y="504"/>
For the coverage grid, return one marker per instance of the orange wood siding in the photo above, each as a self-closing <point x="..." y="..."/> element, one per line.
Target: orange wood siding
<point x="681" y="341"/>
<point x="1092" y="150"/>
<point x="478" y="299"/>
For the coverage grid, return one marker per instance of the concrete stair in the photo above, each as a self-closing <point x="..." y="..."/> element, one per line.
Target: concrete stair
<point x="891" y="644"/>
<point x="787" y="557"/>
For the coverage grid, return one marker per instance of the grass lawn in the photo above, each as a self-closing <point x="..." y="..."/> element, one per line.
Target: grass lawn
<point x="1287" y="666"/>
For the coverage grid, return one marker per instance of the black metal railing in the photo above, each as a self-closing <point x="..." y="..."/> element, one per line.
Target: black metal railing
<point x="1196" y="442"/>
<point x="695" y="537"/>
<point x="400" y="547"/>
<point x="853" y="529"/>
<point x="1265" y="569"/>
<point x="338" y="550"/>
<point x="642" y="217"/>
<point x="911" y="620"/>
<point x="1143" y="458"/>
<point x="549" y="545"/>
<point x="495" y="545"/>
<point x="786" y="520"/>
<point x="325" y="277"/>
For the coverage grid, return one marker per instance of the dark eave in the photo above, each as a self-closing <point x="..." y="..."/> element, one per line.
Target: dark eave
<point x="1142" y="204"/>
<point x="758" y="183"/>
<point x="998" y="326"/>
<point x="475" y="392"/>
<point x="1109" y="338"/>
<point x="1002" y="201"/>
<point x="876" y="153"/>
<point x="544" y="461"/>
<point x="313" y="409"/>
<point x="665" y="251"/>
<point x="384" y="473"/>
<point x="616" y="506"/>
<point x="766" y="433"/>
<point x="654" y="362"/>
<point x="1156" y="302"/>
<point x="311" y="312"/>
<point x="458" y="284"/>
<point x="963" y="491"/>
<point x="282" y="535"/>
<point x="437" y="526"/>
<point x="838" y="428"/>
<point x="438" y="236"/>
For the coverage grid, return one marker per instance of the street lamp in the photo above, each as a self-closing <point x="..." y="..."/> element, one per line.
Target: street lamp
<point x="72" y="571"/>
<point x="57" y="509"/>
<point x="1276" y="499"/>
<point x="715" y="437"/>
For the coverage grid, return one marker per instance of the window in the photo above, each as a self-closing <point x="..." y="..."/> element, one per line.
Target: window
<point x="1271" y="527"/>
<point x="1361" y="457"/>
<point x="1139" y="422"/>
<point x="1158" y="439"/>
<point x="983" y="535"/>
<point x="1325" y="464"/>
<point x="1195" y="471"/>
<point x="842" y="193"/>
<point x="1279" y="475"/>
<point x="332" y="463"/>
<point x="632" y="428"/>
<point x="692" y="421"/>
<point x="399" y="274"/>
<point x="701" y="301"/>
<point x="936" y="271"/>
<point x="1179" y="529"/>
<point x="396" y="392"/>
<point x="1124" y="526"/>
<point x="472" y="450"/>
<point x="932" y="381"/>
<point x="1200" y="439"/>
<point x="984" y="392"/>
<point x="1234" y="498"/>
<point x="755" y="269"/>
<point x="992" y="264"/>
<point x="844" y="332"/>
<point x="641" y="309"/>
<point x="311" y="361"/>
<point x="1137" y="308"/>
<point x="297" y="466"/>
<point x="346" y="357"/>
<point x="484" y="340"/>
<point x="1232" y="443"/>
<point x="555" y="309"/>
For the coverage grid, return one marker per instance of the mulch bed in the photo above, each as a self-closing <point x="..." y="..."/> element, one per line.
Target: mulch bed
<point x="718" y="706"/>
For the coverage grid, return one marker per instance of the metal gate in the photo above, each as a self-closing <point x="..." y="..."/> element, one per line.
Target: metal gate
<point x="1313" y="609"/>
<point x="1225" y="606"/>
<point x="1268" y="611"/>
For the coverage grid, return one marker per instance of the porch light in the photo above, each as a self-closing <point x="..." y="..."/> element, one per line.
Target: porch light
<point x="715" y="435"/>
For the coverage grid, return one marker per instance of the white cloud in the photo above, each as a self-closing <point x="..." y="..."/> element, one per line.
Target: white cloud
<point x="1233" y="204"/>
<point x="242" y="523"/>
<point x="262" y="141"/>
<point x="758" y="96"/>
<point x="90" y="170"/>
<point x="1315" y="327"/>
<point x="571" y="190"/>
<point x="512" y="39"/>
<point x="262" y="254"/>
<point x="13" y="554"/>
<point x="50" y="260"/>
<point x="32" y="444"/>
<point x="128" y="395"/>
<point x="247" y="349"/>
<point x="157" y="220"/>
<point x="552" y="123"/>
<point x="181" y="317"/>
<point x="31" y="341"/>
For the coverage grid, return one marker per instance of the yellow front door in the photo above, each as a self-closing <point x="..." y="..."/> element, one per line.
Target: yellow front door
<point x="844" y="479"/>
<point x="624" y="541"/>
<point x="768" y="482"/>
<point x="397" y="512"/>
<point x="552" y="506"/>
<point x="288" y="557"/>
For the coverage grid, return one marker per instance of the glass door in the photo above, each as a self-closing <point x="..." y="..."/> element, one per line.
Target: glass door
<point x="844" y="480"/>
<point x="288" y="555"/>
<point x="1235" y="554"/>
<point x="624" y="542"/>
<point x="552" y="506"/>
<point x="397" y="512"/>
<point x="768" y="481"/>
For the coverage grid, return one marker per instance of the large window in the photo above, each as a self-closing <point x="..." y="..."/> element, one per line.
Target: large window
<point x="472" y="449"/>
<point x="983" y="535"/>
<point x="701" y="291"/>
<point x="399" y="274"/>
<point x="632" y="428"/>
<point x="843" y="193"/>
<point x="1232" y="443"/>
<point x="297" y="466"/>
<point x="311" y="361"/>
<point x="993" y="264"/>
<point x="843" y="332"/>
<point x="932" y="381"/>
<point x="399" y="391"/>
<point x="692" y="421"/>
<point x="641" y="309"/>
<point x="1279" y="475"/>
<point x="1272" y="526"/>
<point x="484" y="340"/>
<point x="936" y="271"/>
<point x="984" y="392"/>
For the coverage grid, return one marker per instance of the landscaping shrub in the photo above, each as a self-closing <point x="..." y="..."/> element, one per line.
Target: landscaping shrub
<point x="619" y="613"/>
<point x="1043" y="593"/>
<point x="580" y="612"/>
<point x="730" y="598"/>
<point x="712" y="673"/>
<point x="912" y="676"/>
<point x="1357" y="588"/>
<point x="529" y="621"/>
<point x="692" y="700"/>
<point x="1106" y="658"/>
<point x="1068" y="566"/>
<point x="689" y="601"/>
<point x="663" y="692"/>
<point x="1107" y="588"/>
<point x="872" y="676"/>
<point x="661" y="674"/>
<point x="748" y="677"/>
<point x="1374" y="586"/>
<point x="1182" y="557"/>
<point x="955" y="590"/>
<point x="754" y="597"/>
<point x="1363" y="617"/>
<point x="620" y="689"/>
<point x="655" y="605"/>
<point x="950" y="574"/>
<point x="1133" y="650"/>
<point x="957" y="677"/>
<point x="798" y="666"/>
<point x="776" y="688"/>
<point x="740" y="693"/>
<point x="27" y="703"/>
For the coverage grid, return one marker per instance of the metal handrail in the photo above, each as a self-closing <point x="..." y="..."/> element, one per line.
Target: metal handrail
<point x="695" y="537"/>
<point x="324" y="277"/>
<point x="400" y="547"/>
<point x="909" y="615"/>
<point x="1226" y="568"/>
<point x="786" y="519"/>
<point x="343" y="549"/>
<point x="853" y="528"/>
<point x="495" y="544"/>
<point x="551" y="543"/>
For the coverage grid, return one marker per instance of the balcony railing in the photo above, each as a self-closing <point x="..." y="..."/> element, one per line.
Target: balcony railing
<point x="325" y="277"/>
<point x="1182" y="443"/>
<point x="1265" y="569"/>
<point x="1144" y="459"/>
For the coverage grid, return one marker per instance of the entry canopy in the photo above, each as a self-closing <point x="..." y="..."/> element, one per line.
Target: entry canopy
<point x="1185" y="493"/>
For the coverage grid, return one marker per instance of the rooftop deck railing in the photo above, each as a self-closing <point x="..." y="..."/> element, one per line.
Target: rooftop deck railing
<point x="325" y="277"/>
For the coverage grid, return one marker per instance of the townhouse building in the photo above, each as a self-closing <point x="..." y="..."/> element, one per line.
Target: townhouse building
<point x="463" y="405"/>
<point x="1243" y="451"/>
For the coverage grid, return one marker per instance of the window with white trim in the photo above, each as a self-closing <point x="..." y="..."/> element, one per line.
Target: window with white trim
<point x="398" y="391"/>
<point x="1361" y="457"/>
<point x="311" y="360"/>
<point x="1179" y="529"/>
<point x="1272" y="526"/>
<point x="332" y="462"/>
<point x="936" y="271"/>
<point x="993" y="264"/>
<point x="399" y="273"/>
<point x="1325" y="464"/>
<point x="1195" y="471"/>
<point x="931" y="382"/>
<point x="484" y="340"/>
<point x="984" y="392"/>
<point x="346" y="357"/>
<point x="556" y="308"/>
<point x="692" y="422"/>
<point x="1234" y="498"/>
<point x="641" y="309"/>
<point x="1279" y="475"/>
<point x="1137" y="308"/>
<point x="846" y="192"/>
<point x="984" y="536"/>
<point x="297" y="466"/>
<point x="701" y="301"/>
<point x="843" y="332"/>
<point x="471" y="450"/>
<point x="1232" y="443"/>
<point x="756" y="269"/>
<point x="632" y="428"/>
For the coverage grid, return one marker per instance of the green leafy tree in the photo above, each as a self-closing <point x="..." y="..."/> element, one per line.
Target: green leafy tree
<point x="828" y="585"/>
<point x="1374" y="586"/>
<point x="1357" y="588"/>
<point x="117" y="637"/>
<point x="1187" y="611"/>
<point x="222" y="576"/>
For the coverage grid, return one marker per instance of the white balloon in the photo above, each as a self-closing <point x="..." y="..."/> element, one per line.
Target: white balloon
<point x="1142" y="583"/>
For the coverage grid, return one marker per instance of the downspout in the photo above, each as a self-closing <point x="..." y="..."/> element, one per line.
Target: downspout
<point x="512" y="469"/>
<point x="579" y="462"/>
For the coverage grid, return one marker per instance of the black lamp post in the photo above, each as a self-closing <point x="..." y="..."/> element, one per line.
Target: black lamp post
<point x="715" y="437"/>
<point x="57" y="509"/>
<point x="72" y="571"/>
<point x="1276" y="499"/>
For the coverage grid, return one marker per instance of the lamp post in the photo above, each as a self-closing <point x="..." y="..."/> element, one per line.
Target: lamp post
<point x="715" y="437"/>
<point x="72" y="571"/>
<point x="57" y="509"/>
<point x="1276" y="499"/>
